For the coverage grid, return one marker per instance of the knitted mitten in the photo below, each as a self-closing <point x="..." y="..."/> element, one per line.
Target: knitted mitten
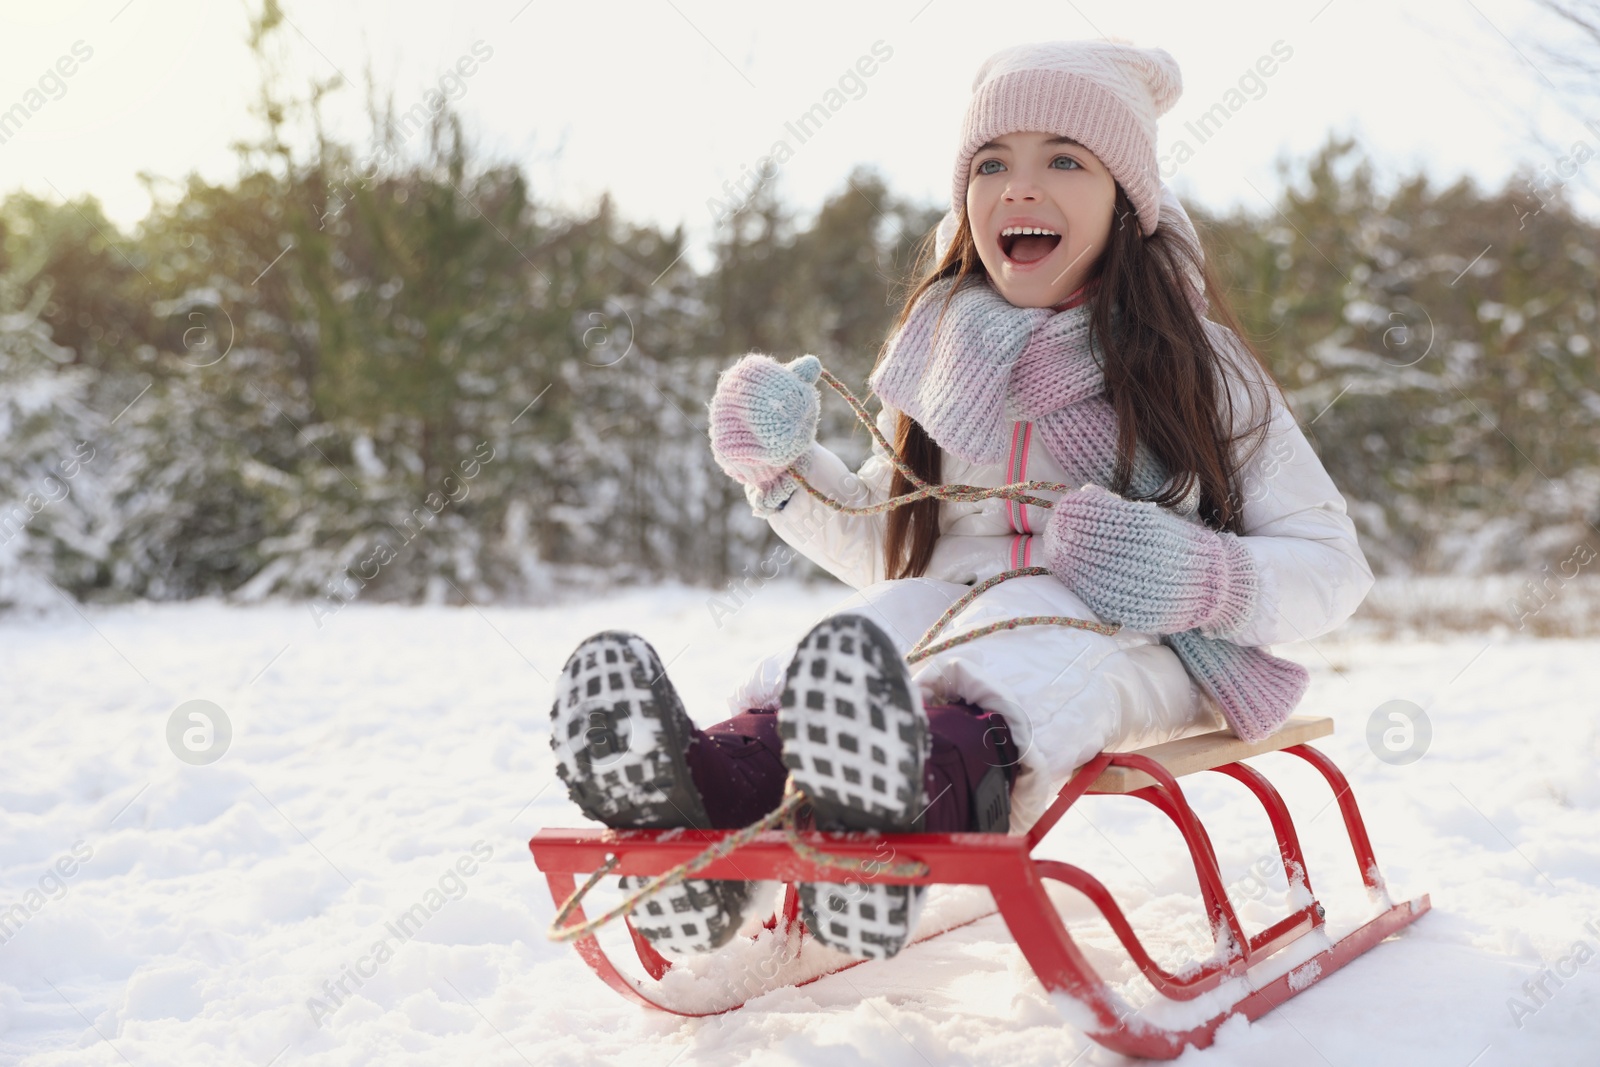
<point x="763" y="419"/>
<point x="1132" y="562"/>
<point x="1255" y="689"/>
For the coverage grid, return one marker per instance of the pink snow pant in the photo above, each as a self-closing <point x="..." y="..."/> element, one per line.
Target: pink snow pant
<point x="738" y="767"/>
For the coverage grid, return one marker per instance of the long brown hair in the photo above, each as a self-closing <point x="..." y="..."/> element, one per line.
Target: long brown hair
<point x="1163" y="376"/>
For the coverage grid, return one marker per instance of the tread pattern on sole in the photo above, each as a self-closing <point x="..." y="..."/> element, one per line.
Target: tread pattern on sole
<point x="696" y="915"/>
<point x="856" y="739"/>
<point x="854" y="734"/>
<point x="867" y="920"/>
<point x="619" y="733"/>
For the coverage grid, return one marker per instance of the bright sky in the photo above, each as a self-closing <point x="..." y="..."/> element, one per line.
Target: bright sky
<point x="662" y="101"/>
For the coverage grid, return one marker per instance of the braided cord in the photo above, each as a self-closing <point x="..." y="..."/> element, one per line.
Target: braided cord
<point x="793" y="798"/>
<point x="922" y="649"/>
<point x="961" y="493"/>
<point x="784" y="813"/>
<point x="1017" y="491"/>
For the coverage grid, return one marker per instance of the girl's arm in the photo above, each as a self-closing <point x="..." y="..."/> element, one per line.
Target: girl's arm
<point x="850" y="547"/>
<point x="1311" y="573"/>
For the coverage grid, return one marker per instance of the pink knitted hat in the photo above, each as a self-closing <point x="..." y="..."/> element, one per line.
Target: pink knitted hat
<point x="1104" y="94"/>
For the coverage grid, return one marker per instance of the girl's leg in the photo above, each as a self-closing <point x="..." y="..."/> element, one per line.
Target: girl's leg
<point x="738" y="768"/>
<point x="737" y="765"/>
<point x="969" y="773"/>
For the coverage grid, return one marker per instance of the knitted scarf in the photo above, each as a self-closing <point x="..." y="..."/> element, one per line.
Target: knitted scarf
<point x="991" y="363"/>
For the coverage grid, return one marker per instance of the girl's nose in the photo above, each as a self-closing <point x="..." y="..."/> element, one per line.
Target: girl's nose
<point x="1022" y="189"/>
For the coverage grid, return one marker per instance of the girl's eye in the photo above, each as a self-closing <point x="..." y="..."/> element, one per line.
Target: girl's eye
<point x="985" y="167"/>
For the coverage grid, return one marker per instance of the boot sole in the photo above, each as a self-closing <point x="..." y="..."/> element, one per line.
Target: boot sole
<point x="619" y="733"/>
<point x="855" y="740"/>
<point x="696" y="915"/>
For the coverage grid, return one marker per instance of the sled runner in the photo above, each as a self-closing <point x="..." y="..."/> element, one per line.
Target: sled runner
<point x="1252" y="973"/>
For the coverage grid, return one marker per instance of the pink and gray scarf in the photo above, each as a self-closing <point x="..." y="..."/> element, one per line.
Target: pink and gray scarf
<point x="989" y="364"/>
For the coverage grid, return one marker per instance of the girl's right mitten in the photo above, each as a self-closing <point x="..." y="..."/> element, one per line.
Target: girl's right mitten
<point x="764" y="419"/>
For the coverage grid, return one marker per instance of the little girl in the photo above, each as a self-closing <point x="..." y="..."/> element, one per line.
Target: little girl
<point x="1059" y="334"/>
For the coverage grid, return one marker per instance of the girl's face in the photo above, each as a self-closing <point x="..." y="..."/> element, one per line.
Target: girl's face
<point x="1039" y="181"/>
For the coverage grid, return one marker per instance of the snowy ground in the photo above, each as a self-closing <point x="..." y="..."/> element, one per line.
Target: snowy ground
<point x="156" y="912"/>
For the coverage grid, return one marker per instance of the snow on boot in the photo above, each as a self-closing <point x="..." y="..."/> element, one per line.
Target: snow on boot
<point x="619" y="733"/>
<point x="855" y="739"/>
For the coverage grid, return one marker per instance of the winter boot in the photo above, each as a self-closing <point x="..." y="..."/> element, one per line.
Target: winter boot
<point x="855" y="740"/>
<point x="619" y="733"/>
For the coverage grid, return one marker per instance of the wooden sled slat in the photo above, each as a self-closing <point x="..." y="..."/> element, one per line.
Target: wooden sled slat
<point x="1204" y="752"/>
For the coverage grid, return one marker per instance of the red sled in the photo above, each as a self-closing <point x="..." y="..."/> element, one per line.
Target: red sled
<point x="1015" y="879"/>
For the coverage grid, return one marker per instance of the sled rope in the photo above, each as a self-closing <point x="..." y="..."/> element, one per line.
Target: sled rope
<point x="784" y="813"/>
<point x="793" y="798"/>
<point x="559" y="931"/>
<point x="1018" y="491"/>
<point x="922" y="649"/>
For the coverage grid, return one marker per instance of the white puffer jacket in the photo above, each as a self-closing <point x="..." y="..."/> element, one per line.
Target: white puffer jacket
<point x="1069" y="693"/>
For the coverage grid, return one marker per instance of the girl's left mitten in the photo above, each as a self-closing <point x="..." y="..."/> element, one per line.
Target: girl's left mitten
<point x="1138" y="564"/>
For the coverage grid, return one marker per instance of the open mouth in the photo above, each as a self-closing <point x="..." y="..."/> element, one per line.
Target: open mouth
<point x="1028" y="244"/>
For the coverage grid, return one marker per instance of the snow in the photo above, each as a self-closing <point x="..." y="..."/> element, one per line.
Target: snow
<point x="367" y="826"/>
<point x="1301" y="977"/>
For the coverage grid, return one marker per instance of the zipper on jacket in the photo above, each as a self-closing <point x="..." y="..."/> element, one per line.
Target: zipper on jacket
<point x="1016" y="511"/>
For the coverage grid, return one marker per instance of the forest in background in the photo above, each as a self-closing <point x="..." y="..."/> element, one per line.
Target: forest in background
<point x="391" y="372"/>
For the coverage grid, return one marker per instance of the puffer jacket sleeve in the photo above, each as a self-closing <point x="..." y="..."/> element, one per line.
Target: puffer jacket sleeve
<point x="1311" y="573"/>
<point x="849" y="547"/>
